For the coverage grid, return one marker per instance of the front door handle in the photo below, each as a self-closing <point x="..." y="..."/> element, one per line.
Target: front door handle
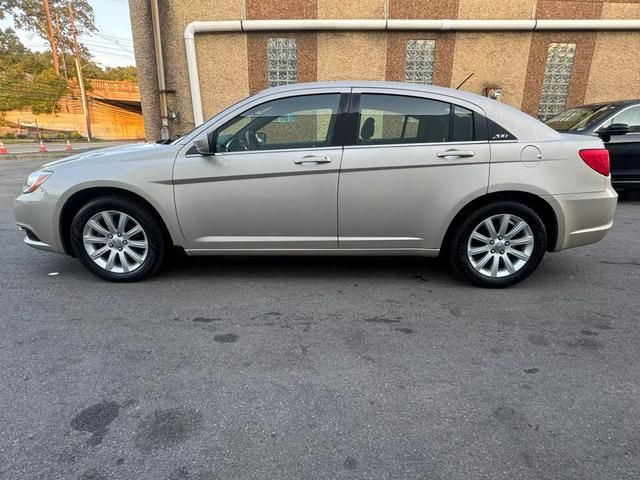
<point x="455" y="154"/>
<point x="312" y="160"/>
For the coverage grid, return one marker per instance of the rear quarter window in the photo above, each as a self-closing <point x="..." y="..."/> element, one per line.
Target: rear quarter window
<point x="497" y="132"/>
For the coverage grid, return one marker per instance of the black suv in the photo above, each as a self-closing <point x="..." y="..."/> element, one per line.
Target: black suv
<point x="618" y="124"/>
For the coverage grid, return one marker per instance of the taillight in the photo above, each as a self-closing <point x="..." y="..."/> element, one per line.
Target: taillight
<point x="598" y="159"/>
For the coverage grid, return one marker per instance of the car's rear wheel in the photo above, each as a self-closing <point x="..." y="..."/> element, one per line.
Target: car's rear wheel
<point x="498" y="245"/>
<point x="118" y="239"/>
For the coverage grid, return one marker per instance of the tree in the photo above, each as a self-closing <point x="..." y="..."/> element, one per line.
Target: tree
<point x="49" y="20"/>
<point x="10" y="44"/>
<point x="4" y="6"/>
<point x="126" y="74"/>
<point x="27" y="78"/>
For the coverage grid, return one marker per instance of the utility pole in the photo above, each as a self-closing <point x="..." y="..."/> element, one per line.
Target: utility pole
<point x="83" y="93"/>
<point x="52" y="38"/>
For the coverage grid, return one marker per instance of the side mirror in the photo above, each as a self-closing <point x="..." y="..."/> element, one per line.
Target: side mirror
<point x="202" y="145"/>
<point x="618" y="129"/>
<point x="261" y="137"/>
<point x="614" y="129"/>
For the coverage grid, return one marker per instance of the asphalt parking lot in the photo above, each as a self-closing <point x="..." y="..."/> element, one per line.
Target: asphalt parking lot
<point x="319" y="368"/>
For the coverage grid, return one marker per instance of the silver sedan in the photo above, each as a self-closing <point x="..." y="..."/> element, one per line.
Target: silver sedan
<point x="349" y="168"/>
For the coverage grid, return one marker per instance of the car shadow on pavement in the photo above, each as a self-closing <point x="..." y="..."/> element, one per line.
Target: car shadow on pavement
<point x="317" y="267"/>
<point x="628" y="197"/>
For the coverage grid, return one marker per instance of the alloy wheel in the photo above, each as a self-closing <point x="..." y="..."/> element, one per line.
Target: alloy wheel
<point x="500" y="245"/>
<point x="115" y="241"/>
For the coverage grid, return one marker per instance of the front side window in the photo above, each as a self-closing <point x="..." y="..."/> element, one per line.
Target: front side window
<point x="395" y="119"/>
<point x="294" y="122"/>
<point x="630" y="116"/>
<point x="557" y="77"/>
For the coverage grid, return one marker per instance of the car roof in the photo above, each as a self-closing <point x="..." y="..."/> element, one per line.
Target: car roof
<point x="520" y="124"/>
<point x="377" y="84"/>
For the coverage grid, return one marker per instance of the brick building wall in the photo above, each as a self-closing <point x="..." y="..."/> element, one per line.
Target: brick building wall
<point x="605" y="65"/>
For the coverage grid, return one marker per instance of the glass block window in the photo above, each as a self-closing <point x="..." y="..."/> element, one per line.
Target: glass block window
<point x="557" y="77"/>
<point x="282" y="57"/>
<point x="421" y="58"/>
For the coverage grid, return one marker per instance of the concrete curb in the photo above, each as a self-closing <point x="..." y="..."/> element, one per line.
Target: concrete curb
<point x="55" y="155"/>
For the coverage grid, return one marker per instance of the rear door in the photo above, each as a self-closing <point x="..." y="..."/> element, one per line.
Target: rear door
<point x="411" y="160"/>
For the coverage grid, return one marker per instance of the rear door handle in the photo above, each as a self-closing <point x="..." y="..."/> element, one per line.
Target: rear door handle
<point x="312" y="160"/>
<point x="455" y="154"/>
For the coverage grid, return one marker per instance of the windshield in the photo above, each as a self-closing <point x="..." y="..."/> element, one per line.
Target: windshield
<point x="578" y="118"/>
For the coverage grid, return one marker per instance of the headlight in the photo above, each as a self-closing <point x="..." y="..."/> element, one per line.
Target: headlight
<point x="34" y="180"/>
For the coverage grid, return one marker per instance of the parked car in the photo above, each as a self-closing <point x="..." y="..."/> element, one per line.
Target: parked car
<point x="618" y="125"/>
<point x="349" y="168"/>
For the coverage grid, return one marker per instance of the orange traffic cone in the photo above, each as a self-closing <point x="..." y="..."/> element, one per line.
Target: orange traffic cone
<point x="3" y="149"/>
<point x="42" y="149"/>
<point x="68" y="147"/>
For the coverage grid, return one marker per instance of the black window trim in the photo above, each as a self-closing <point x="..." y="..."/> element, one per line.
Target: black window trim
<point x="512" y="139"/>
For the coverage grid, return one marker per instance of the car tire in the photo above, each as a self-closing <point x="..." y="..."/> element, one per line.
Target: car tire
<point x="130" y="255"/>
<point x="502" y="256"/>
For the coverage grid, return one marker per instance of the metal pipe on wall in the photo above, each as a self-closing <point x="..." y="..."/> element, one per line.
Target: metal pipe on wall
<point x="373" y="25"/>
<point x="157" y="40"/>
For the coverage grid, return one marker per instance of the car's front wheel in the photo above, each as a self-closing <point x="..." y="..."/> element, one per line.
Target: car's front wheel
<point x="498" y="245"/>
<point x="118" y="239"/>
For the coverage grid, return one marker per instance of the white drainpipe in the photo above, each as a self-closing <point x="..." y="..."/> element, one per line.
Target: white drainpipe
<point x="374" y="25"/>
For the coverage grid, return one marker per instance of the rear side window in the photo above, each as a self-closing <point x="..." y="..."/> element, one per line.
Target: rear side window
<point x="396" y="119"/>
<point x="462" y="125"/>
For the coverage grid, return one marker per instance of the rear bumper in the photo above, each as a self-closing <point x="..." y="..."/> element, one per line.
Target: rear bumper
<point x="584" y="218"/>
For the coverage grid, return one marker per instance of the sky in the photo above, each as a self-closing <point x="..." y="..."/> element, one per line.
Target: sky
<point x="111" y="45"/>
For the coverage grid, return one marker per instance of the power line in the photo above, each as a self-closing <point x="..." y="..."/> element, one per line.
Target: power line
<point x="98" y="34"/>
<point x="107" y="44"/>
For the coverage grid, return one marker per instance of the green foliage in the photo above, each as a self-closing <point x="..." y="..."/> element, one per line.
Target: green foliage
<point x="127" y="74"/>
<point x="27" y="78"/>
<point x="10" y="136"/>
<point x="29" y="15"/>
<point x="10" y="44"/>
<point x="4" y="6"/>
<point x="75" y="135"/>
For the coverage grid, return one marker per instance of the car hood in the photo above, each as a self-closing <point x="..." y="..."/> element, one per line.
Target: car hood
<point x="114" y="154"/>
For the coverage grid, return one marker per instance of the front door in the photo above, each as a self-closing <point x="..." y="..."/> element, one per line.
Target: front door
<point x="410" y="162"/>
<point x="272" y="182"/>
<point x="624" y="150"/>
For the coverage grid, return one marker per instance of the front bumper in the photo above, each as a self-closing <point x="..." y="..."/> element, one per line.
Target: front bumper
<point x="584" y="218"/>
<point x="35" y="212"/>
